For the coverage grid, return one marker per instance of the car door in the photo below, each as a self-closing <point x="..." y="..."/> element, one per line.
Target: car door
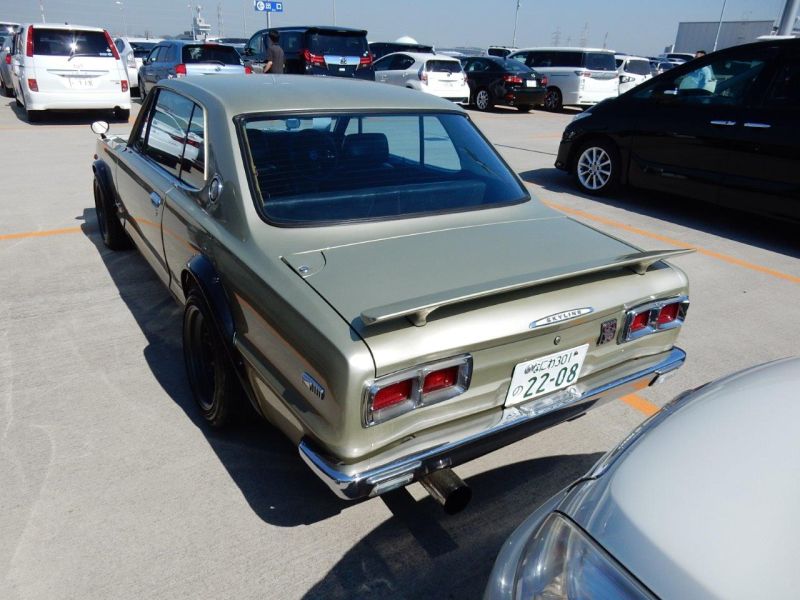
<point x="149" y="67"/>
<point x="685" y="123"/>
<point x="149" y="168"/>
<point x="765" y="172"/>
<point x="396" y="73"/>
<point x="381" y="68"/>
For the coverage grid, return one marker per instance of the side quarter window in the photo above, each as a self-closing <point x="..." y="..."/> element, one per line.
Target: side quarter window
<point x="193" y="166"/>
<point x="139" y="132"/>
<point x="785" y="90"/>
<point x="166" y="136"/>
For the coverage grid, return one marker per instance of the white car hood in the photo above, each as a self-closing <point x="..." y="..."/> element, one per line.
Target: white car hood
<point x="707" y="503"/>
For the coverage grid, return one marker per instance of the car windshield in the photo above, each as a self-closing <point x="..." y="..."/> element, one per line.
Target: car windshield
<point x="600" y="61"/>
<point x="443" y="66"/>
<point x="211" y="53"/>
<point x="337" y="44"/>
<point x="638" y="67"/>
<point x="142" y="49"/>
<point x="65" y="42"/>
<point x="325" y="169"/>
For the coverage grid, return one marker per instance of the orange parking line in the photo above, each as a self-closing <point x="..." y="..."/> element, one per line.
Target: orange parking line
<point x="34" y="234"/>
<point x="673" y="242"/>
<point x="640" y="404"/>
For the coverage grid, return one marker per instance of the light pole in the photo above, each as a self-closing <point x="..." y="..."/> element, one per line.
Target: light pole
<point x="334" y="12"/>
<point x="719" y="27"/>
<point x="122" y="12"/>
<point x="516" y="17"/>
<point x="41" y="9"/>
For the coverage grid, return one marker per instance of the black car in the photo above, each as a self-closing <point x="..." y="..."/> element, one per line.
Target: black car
<point x="724" y="128"/>
<point x="494" y="80"/>
<point x="336" y="51"/>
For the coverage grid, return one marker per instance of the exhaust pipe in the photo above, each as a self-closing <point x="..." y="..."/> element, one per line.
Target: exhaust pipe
<point x="448" y="489"/>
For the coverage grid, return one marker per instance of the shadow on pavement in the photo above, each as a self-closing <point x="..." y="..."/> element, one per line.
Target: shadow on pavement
<point x="54" y="117"/>
<point x="422" y="553"/>
<point x="753" y="230"/>
<point x="264" y="465"/>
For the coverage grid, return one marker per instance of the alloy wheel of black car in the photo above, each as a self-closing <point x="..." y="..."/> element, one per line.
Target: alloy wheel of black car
<point x="597" y="167"/>
<point x="211" y="376"/>
<point x="553" y="100"/>
<point x="483" y="100"/>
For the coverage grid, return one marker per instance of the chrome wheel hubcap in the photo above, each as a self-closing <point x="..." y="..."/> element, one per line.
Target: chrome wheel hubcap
<point x="594" y="168"/>
<point x="482" y="100"/>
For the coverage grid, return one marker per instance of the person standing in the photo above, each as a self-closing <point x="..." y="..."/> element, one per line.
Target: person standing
<point x="275" y="60"/>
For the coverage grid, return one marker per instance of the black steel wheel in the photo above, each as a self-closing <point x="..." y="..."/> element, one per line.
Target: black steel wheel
<point x="114" y="236"/>
<point x="214" y="384"/>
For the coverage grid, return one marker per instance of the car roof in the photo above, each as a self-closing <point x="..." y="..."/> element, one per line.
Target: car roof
<point x="65" y="26"/>
<point x="316" y="27"/>
<point x="240" y="94"/>
<point x="568" y="49"/>
<point x="422" y="56"/>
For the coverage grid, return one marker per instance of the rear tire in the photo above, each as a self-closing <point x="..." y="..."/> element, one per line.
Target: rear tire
<point x="597" y="166"/>
<point x="483" y="100"/>
<point x="524" y="108"/>
<point x="214" y="383"/>
<point x="114" y="236"/>
<point x="17" y="100"/>
<point x="553" y="101"/>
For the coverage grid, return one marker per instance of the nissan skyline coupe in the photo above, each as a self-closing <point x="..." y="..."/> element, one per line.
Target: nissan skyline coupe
<point x="359" y="263"/>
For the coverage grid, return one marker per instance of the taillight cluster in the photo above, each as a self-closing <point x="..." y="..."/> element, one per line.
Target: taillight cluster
<point x="424" y="385"/>
<point x="512" y="79"/>
<point x="365" y="61"/>
<point x="313" y="59"/>
<point x="111" y="45"/>
<point x="654" y="316"/>
<point x="124" y="85"/>
<point x="180" y="70"/>
<point x="248" y="70"/>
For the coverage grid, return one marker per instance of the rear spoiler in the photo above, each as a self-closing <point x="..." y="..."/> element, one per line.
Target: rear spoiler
<point x="418" y="309"/>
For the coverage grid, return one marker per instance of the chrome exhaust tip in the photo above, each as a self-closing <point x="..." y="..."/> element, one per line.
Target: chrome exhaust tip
<point x="448" y="489"/>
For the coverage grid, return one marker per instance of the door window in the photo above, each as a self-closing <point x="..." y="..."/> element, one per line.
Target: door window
<point x="153" y="56"/>
<point x="520" y="57"/>
<point x="255" y="45"/>
<point x="401" y="62"/>
<point x="291" y="42"/>
<point x="785" y="90"/>
<point x="169" y="123"/>
<point x="193" y="169"/>
<point x="383" y="64"/>
<point x="725" y="81"/>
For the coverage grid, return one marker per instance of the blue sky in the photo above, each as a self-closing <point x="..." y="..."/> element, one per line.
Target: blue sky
<point x="637" y="26"/>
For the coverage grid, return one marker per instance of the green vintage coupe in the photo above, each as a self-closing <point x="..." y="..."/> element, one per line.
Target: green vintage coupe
<point x="359" y="262"/>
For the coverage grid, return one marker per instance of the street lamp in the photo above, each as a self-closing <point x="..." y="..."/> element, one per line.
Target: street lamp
<point x="719" y="26"/>
<point x="516" y="17"/>
<point x="122" y="12"/>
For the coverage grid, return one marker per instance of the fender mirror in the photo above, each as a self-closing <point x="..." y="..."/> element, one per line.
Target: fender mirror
<point x="100" y="128"/>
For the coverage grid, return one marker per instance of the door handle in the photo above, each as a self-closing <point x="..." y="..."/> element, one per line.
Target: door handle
<point x="724" y="123"/>
<point x="155" y="199"/>
<point x="758" y="125"/>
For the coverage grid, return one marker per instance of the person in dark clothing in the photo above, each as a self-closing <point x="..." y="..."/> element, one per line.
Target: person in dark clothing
<point x="275" y="60"/>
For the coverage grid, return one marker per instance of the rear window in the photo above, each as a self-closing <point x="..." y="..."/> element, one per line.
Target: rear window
<point x="601" y="61"/>
<point x="326" y="169"/>
<point x="212" y="53"/>
<point x="638" y="67"/>
<point x="443" y="66"/>
<point x="514" y="66"/>
<point x="337" y="44"/>
<point x="65" y="42"/>
<point x="142" y="49"/>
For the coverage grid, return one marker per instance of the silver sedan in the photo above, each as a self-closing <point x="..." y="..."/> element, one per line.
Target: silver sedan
<point x="699" y="502"/>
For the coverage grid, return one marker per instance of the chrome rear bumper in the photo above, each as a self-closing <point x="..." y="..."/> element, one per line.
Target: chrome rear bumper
<point x="372" y="477"/>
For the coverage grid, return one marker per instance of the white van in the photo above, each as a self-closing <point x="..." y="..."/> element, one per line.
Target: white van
<point x="66" y="67"/>
<point x="632" y="71"/>
<point x="576" y="76"/>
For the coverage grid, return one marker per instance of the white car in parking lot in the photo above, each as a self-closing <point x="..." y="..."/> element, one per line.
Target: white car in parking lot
<point x="632" y="70"/>
<point x="133" y="51"/>
<point x="435" y="74"/>
<point x="68" y="67"/>
<point x="576" y="76"/>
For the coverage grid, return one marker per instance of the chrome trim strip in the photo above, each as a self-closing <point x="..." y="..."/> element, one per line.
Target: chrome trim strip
<point x="359" y="480"/>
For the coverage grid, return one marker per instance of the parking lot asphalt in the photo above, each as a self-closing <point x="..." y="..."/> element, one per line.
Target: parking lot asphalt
<point x="112" y="487"/>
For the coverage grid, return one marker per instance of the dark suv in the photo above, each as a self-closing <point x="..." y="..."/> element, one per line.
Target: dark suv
<point x="336" y="51"/>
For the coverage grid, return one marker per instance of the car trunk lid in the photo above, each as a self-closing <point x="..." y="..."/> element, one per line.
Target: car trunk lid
<point x="211" y="59"/>
<point x="442" y="279"/>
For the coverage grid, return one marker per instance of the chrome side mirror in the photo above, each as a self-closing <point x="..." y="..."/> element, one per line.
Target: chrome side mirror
<point x="100" y="128"/>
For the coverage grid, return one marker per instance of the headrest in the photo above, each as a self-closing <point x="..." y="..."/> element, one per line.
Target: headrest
<point x="370" y="148"/>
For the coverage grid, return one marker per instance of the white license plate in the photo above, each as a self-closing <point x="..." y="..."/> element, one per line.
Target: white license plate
<point x="546" y="374"/>
<point x="529" y="83"/>
<point x="80" y="82"/>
